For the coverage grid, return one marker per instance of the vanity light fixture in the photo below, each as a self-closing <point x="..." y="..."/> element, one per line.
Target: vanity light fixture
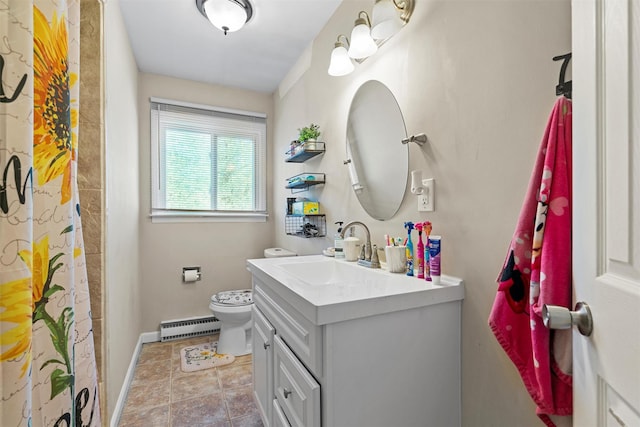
<point x="226" y="15"/>
<point x="389" y="16"/>
<point x="340" y="64"/>
<point x="362" y="44"/>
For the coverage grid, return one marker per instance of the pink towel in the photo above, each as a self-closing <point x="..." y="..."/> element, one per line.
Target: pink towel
<point x="537" y="271"/>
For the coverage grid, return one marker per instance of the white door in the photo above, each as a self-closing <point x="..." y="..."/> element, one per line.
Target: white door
<point x="606" y="209"/>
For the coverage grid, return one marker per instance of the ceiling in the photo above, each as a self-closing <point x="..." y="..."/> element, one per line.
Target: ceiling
<point x="172" y="38"/>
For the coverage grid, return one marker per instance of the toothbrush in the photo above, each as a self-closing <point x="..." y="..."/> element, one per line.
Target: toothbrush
<point x="427" y="268"/>
<point x="420" y="251"/>
<point x="409" y="226"/>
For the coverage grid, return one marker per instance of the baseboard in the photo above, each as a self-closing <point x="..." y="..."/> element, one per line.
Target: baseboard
<point x="148" y="337"/>
<point x="145" y="337"/>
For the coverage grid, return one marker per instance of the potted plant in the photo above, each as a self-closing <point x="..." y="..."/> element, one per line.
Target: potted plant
<point x="309" y="133"/>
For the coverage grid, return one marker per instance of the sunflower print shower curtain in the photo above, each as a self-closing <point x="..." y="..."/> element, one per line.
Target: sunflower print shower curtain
<point x="47" y="359"/>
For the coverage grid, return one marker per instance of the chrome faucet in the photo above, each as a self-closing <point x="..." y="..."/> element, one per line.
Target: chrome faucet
<point x="370" y="258"/>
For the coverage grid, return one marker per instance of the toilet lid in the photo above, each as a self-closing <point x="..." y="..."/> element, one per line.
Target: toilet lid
<point x="241" y="297"/>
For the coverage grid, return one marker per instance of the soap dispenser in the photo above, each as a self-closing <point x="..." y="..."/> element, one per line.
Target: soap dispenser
<point x="338" y="242"/>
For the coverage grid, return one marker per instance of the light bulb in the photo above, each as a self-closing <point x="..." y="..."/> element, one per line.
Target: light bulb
<point x="362" y="45"/>
<point x="386" y="21"/>
<point x="227" y="15"/>
<point x="340" y="64"/>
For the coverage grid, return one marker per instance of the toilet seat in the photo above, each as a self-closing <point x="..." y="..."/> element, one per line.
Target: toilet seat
<point x="237" y="298"/>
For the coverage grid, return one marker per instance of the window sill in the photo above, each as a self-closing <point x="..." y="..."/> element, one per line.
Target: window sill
<point x="193" y="216"/>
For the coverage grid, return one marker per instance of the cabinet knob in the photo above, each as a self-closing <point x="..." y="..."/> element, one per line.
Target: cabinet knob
<point x="266" y="345"/>
<point x="286" y="392"/>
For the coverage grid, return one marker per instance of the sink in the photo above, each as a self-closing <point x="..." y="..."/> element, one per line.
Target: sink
<point x="326" y="290"/>
<point x="328" y="272"/>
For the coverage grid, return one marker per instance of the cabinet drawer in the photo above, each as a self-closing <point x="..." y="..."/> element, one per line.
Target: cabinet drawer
<point x="296" y="390"/>
<point x="302" y="336"/>
<point x="279" y="419"/>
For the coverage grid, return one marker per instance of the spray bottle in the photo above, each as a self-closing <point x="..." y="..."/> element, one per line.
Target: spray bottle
<point x="409" y="226"/>
<point x="426" y="226"/>
<point x="420" y="251"/>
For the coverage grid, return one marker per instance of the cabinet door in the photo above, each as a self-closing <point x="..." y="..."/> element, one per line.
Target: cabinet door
<point x="296" y="390"/>
<point x="279" y="419"/>
<point x="262" y="336"/>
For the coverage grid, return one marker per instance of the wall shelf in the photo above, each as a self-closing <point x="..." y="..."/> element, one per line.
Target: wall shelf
<point x="303" y="181"/>
<point x="307" y="226"/>
<point x="305" y="151"/>
<point x="304" y="225"/>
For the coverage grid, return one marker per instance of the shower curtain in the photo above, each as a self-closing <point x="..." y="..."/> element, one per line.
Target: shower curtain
<point x="47" y="360"/>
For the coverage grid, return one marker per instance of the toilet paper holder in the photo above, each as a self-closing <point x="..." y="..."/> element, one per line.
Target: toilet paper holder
<point x="191" y="274"/>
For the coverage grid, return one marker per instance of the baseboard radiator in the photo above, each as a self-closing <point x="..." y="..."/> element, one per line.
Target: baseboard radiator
<point x="171" y="330"/>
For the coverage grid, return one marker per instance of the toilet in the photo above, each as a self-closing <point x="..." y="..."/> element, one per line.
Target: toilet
<point x="233" y="309"/>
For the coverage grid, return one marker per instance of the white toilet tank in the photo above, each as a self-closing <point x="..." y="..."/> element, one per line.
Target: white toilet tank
<point x="277" y="253"/>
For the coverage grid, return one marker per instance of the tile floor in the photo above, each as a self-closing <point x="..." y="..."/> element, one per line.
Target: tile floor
<point x="161" y="395"/>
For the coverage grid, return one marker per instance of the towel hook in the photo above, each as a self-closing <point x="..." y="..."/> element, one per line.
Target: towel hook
<point x="563" y="88"/>
<point x="419" y="139"/>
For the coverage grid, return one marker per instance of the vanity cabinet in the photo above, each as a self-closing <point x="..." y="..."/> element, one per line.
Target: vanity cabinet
<point x="396" y="368"/>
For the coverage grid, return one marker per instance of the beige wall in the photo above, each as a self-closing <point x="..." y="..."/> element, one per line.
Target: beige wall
<point x="90" y="168"/>
<point x="475" y="76"/>
<point x="122" y="203"/>
<point x="219" y="248"/>
<point x="478" y="79"/>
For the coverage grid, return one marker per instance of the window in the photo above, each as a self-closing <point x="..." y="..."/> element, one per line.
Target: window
<point x="207" y="161"/>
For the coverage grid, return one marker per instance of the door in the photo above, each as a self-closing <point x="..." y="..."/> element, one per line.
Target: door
<point x="262" y="336"/>
<point x="606" y="208"/>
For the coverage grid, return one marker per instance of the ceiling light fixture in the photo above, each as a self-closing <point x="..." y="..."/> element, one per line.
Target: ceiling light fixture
<point x="389" y="16"/>
<point x="340" y="64"/>
<point x="362" y="44"/>
<point x="227" y="15"/>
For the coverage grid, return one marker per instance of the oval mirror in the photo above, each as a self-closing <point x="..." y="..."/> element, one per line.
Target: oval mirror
<point x="378" y="161"/>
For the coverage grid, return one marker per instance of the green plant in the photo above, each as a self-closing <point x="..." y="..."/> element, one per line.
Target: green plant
<point x="309" y="132"/>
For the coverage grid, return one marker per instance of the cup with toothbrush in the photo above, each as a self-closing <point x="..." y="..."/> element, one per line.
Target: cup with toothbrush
<point x="396" y="255"/>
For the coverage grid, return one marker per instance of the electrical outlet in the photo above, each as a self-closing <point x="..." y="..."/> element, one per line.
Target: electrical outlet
<point x="426" y="200"/>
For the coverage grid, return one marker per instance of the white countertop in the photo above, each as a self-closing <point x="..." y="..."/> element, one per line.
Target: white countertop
<point x="377" y="292"/>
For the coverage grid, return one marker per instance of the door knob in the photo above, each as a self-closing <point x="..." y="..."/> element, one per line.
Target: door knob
<point x="266" y="345"/>
<point x="555" y="317"/>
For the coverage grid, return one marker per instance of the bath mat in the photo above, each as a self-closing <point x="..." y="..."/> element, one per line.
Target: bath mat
<point x="202" y="356"/>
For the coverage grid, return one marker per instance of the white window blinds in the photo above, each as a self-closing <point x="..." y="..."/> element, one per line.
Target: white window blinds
<point x="207" y="161"/>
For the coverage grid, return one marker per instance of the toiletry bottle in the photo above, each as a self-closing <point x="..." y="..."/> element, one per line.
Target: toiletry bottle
<point x="434" y="258"/>
<point x="419" y="252"/>
<point x="338" y="243"/>
<point x="427" y="268"/>
<point x="351" y="246"/>
<point x="409" y="226"/>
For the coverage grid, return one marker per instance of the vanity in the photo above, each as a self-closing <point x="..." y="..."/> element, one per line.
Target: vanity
<point x="337" y="344"/>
